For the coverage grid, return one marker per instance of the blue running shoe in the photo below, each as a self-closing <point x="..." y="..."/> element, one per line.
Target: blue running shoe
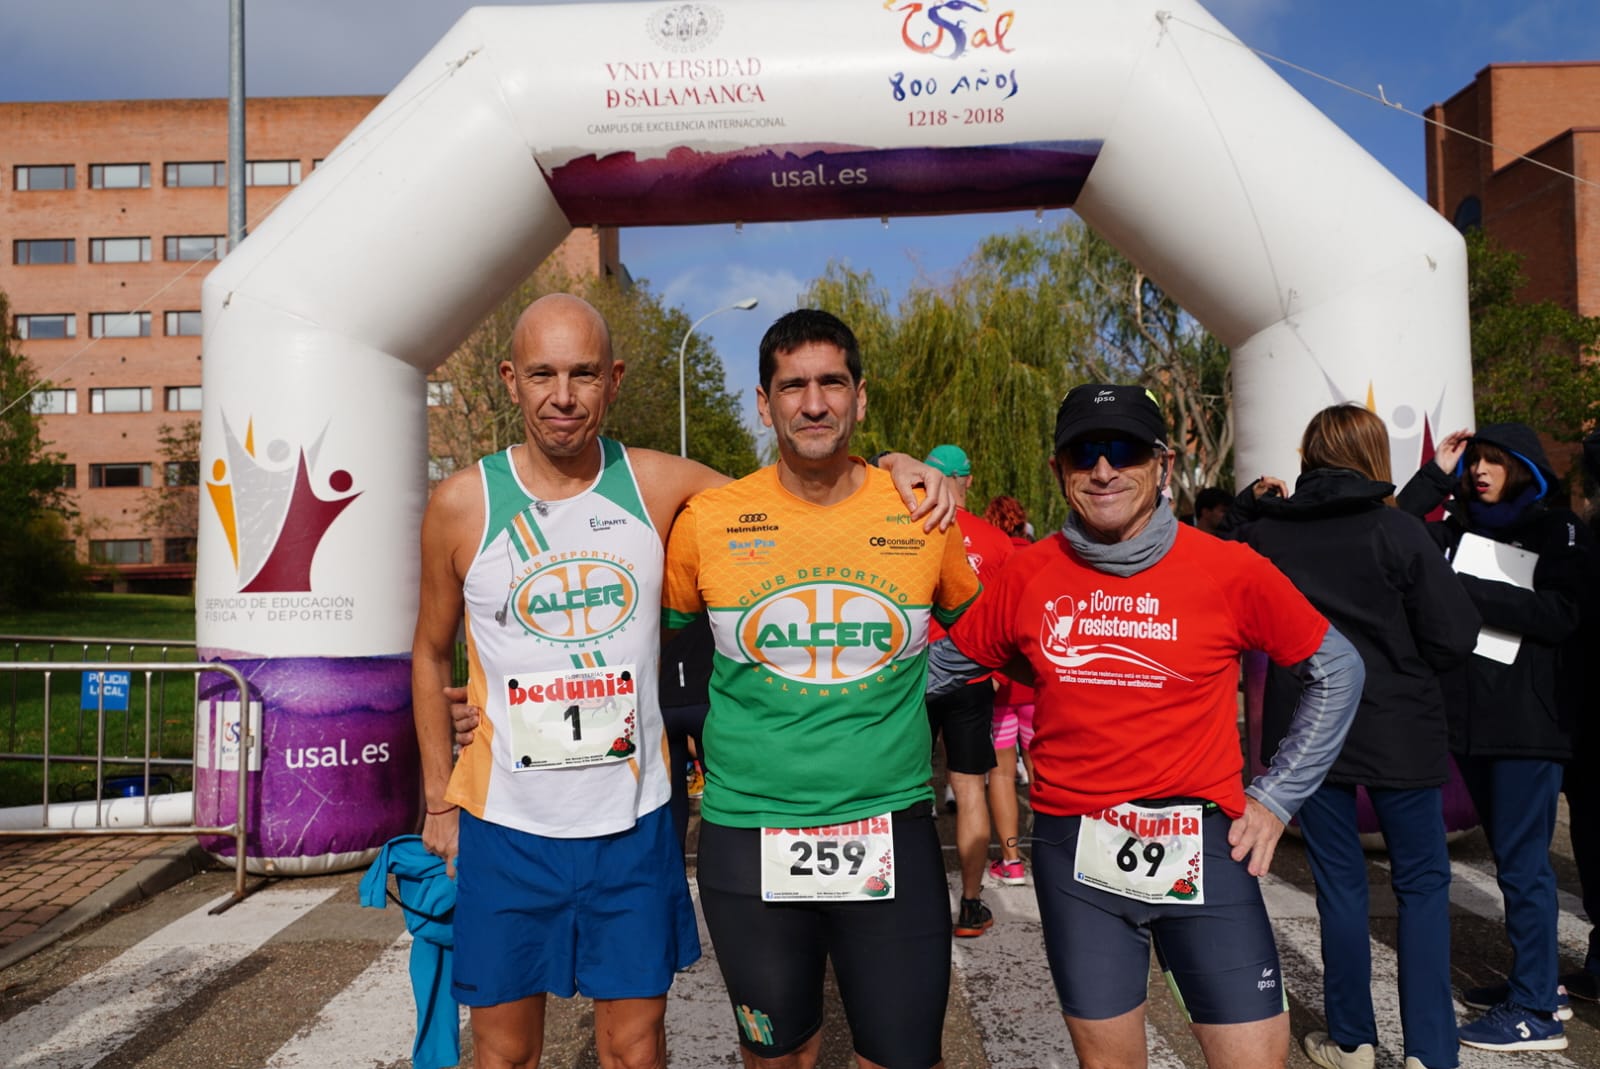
<point x="1510" y="1027"/>
<point x="1487" y="998"/>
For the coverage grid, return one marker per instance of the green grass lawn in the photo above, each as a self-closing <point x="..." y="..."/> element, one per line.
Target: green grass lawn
<point x="108" y="616"/>
<point x="72" y="730"/>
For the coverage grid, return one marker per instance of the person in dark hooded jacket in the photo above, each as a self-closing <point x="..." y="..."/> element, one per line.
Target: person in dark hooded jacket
<point x="1582" y="781"/>
<point x="1511" y="724"/>
<point x="1375" y="574"/>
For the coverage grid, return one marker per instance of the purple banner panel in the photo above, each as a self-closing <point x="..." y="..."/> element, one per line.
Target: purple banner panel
<point x="786" y="182"/>
<point x="335" y="772"/>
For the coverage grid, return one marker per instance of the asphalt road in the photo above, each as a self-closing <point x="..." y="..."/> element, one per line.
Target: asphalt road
<point x="301" y="975"/>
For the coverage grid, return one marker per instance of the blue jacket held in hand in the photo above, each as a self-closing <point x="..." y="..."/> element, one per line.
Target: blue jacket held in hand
<point x="428" y="899"/>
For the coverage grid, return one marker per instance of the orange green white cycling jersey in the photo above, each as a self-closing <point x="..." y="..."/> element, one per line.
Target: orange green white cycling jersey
<point x="820" y="615"/>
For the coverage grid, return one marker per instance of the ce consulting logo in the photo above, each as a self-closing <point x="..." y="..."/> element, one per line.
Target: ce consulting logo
<point x="823" y="632"/>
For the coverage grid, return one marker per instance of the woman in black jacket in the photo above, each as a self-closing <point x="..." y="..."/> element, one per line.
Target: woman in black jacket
<point x="1377" y="576"/>
<point x="1511" y="723"/>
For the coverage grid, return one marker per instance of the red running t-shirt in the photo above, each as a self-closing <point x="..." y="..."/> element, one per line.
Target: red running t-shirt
<point x="1136" y="679"/>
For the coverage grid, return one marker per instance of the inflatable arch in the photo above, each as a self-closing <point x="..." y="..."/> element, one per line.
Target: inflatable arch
<point x="1328" y="279"/>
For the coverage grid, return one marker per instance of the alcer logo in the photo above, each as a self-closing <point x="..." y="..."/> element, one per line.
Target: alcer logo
<point x="824" y="632"/>
<point x="576" y="600"/>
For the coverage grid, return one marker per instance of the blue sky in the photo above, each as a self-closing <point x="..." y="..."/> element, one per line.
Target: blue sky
<point x="1420" y="51"/>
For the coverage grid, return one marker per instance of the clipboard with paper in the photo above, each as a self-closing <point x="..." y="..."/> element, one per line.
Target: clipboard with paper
<point x="1488" y="559"/>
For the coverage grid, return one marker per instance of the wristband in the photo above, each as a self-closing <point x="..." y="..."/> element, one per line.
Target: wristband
<point x="442" y="812"/>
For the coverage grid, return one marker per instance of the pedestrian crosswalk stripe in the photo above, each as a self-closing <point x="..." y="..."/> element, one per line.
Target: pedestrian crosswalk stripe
<point x="86" y="1021"/>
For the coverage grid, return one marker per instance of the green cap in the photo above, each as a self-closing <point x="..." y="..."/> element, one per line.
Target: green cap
<point x="949" y="460"/>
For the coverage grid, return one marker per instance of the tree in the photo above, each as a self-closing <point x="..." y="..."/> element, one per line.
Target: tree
<point x="477" y="416"/>
<point x="1532" y="363"/>
<point x="174" y="508"/>
<point x="983" y="360"/>
<point x="37" y="559"/>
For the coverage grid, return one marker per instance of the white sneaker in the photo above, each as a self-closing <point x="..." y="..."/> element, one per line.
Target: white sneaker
<point x="1322" y="1050"/>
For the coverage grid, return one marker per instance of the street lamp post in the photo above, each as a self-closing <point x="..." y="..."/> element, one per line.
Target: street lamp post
<point x="683" y="349"/>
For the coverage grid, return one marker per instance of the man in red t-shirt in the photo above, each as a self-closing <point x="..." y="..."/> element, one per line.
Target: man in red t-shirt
<point x="1133" y="625"/>
<point x="964" y="717"/>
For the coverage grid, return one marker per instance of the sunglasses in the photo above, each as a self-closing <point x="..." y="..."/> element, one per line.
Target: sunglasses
<point x="1119" y="453"/>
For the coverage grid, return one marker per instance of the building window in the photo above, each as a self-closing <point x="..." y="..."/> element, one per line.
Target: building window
<point x="39" y="177"/>
<point x="183" y="398"/>
<point x="183" y="324"/>
<point x="119" y="324"/>
<point x="196" y="175"/>
<point x="441" y="394"/>
<point x="179" y="550"/>
<point x="182" y="473"/>
<point x="119" y="176"/>
<point x="272" y="173"/>
<point x="119" y="250"/>
<point x="55" y="402"/>
<point x="120" y="399"/>
<point x="107" y="475"/>
<point x="1469" y="214"/>
<point x="120" y="551"/>
<point x="207" y="247"/>
<point x="44" y="251"/>
<point x="68" y="476"/>
<point x="42" y="327"/>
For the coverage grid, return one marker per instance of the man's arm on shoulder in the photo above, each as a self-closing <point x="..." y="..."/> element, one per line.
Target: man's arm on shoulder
<point x="450" y="527"/>
<point x="668" y="482"/>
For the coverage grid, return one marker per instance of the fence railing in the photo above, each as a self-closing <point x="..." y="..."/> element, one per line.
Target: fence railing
<point x="27" y="699"/>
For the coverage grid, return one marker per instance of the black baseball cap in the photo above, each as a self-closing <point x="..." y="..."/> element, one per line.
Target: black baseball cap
<point x="1101" y="408"/>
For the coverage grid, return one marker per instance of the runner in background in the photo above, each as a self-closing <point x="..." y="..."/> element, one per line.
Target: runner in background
<point x="1013" y="726"/>
<point x="964" y="719"/>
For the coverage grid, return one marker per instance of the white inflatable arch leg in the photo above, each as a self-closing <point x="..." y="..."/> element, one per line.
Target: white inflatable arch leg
<point x="1328" y="279"/>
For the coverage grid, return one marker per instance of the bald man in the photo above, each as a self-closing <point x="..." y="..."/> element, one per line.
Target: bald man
<point x="570" y="876"/>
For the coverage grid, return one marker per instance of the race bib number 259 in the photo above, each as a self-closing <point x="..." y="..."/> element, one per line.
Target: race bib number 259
<point x="836" y="862"/>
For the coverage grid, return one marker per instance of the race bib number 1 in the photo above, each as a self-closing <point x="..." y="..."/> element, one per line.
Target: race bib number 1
<point x="572" y="718"/>
<point x="1149" y="855"/>
<point x="839" y="862"/>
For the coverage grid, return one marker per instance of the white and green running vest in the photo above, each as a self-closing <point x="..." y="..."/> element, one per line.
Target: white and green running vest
<point x="563" y="638"/>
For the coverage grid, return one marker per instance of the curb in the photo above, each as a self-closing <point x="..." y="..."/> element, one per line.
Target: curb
<point x="145" y="879"/>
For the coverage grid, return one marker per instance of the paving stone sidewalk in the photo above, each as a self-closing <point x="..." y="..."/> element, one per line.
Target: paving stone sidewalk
<point x="50" y="885"/>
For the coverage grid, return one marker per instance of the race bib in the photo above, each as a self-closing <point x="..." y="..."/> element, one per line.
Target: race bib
<point x="1147" y="854"/>
<point x="572" y="718"/>
<point x="840" y="862"/>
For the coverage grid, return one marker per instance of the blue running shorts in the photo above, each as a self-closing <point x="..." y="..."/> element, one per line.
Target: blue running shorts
<point x="1219" y="958"/>
<point x="608" y="917"/>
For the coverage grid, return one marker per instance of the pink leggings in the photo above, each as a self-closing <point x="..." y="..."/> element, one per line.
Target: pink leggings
<point x="1011" y="721"/>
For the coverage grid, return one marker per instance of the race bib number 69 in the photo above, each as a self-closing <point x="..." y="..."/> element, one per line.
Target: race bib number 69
<point x="1143" y="853"/>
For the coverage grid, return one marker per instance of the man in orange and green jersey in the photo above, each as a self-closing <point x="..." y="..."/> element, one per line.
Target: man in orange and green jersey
<point x="817" y="838"/>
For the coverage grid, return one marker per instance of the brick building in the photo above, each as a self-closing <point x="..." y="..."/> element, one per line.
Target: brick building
<point x="1549" y="112"/>
<point x="111" y="214"/>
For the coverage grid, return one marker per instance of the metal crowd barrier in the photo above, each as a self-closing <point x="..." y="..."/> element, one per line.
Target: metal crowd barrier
<point x="147" y="761"/>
